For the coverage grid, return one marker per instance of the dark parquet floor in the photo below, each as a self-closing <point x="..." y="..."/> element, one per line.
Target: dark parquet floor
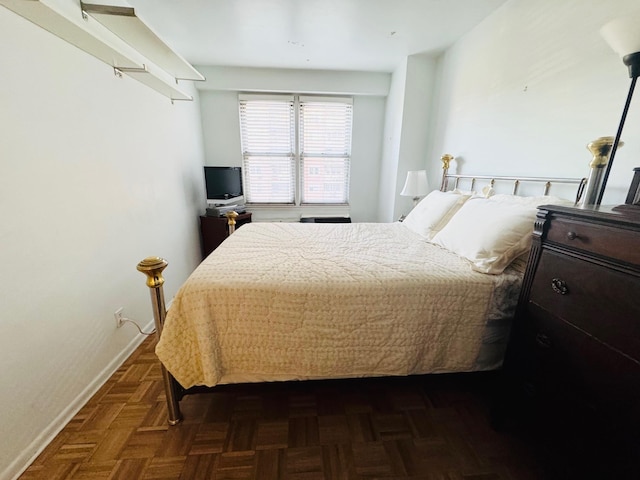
<point x="427" y="427"/>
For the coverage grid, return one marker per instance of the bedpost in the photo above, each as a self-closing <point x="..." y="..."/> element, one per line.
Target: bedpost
<point x="445" y="159"/>
<point x="600" y="148"/>
<point x="152" y="267"/>
<point x="231" y="221"/>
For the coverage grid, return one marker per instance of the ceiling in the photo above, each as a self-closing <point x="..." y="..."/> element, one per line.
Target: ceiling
<point x="360" y="35"/>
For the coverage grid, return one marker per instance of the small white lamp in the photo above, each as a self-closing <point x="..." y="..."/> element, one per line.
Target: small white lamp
<point x="415" y="185"/>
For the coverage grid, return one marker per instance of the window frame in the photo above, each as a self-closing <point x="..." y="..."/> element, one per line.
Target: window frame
<point x="297" y="155"/>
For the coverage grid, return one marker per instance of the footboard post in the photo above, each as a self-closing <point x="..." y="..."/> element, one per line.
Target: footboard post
<point x="152" y="267"/>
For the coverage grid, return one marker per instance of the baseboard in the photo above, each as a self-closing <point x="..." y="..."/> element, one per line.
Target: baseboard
<point x="22" y="462"/>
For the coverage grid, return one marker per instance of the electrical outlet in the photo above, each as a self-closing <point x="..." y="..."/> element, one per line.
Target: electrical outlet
<point x="118" y="316"/>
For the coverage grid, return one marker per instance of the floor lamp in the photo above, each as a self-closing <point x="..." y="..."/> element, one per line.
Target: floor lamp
<point x="623" y="36"/>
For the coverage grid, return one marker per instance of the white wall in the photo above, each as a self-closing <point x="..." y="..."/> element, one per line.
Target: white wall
<point x="294" y="81"/>
<point x="220" y="125"/>
<point x="416" y="114"/>
<point x="530" y="87"/>
<point x="96" y="173"/>
<point x="406" y="135"/>
<point x="391" y="145"/>
<point x="366" y="153"/>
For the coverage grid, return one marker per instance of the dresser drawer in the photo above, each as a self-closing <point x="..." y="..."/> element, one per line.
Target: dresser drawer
<point x="616" y="243"/>
<point x="564" y="359"/>
<point x="603" y="302"/>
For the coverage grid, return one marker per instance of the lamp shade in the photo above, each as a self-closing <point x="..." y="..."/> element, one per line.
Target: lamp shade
<point x="416" y="184"/>
<point x="623" y="34"/>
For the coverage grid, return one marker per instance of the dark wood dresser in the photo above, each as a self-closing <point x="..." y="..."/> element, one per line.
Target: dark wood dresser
<point x="575" y="344"/>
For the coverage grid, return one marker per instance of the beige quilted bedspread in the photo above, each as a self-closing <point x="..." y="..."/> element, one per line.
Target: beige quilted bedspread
<point x="282" y="301"/>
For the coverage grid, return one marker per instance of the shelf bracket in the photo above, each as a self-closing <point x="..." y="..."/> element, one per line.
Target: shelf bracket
<point x="118" y="71"/>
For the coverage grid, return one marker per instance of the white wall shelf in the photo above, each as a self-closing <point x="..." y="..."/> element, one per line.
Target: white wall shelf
<point x="124" y="42"/>
<point x="124" y="22"/>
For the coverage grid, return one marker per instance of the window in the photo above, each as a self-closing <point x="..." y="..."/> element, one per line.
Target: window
<point x="296" y="149"/>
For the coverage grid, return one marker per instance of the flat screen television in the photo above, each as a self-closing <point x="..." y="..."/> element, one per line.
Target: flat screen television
<point x="223" y="183"/>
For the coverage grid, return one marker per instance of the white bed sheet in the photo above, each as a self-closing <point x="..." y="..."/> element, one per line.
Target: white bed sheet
<point x="292" y="301"/>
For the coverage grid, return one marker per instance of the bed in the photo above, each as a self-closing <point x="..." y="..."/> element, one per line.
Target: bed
<point x="434" y="293"/>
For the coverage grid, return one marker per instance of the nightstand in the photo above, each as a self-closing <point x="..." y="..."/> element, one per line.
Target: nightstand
<point x="213" y="230"/>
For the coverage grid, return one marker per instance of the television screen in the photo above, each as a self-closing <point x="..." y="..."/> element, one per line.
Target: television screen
<point x="223" y="182"/>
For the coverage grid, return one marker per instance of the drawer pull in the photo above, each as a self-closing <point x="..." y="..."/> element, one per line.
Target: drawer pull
<point x="559" y="286"/>
<point x="543" y="341"/>
<point x="572" y="235"/>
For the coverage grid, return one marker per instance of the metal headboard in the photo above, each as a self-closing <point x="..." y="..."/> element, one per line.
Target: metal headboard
<point x="451" y="181"/>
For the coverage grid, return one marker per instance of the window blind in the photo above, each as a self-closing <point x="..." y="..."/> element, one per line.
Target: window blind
<point x="280" y="151"/>
<point x="268" y="149"/>
<point x="325" y="149"/>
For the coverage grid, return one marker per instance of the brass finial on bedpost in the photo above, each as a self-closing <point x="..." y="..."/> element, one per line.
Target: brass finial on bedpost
<point x="231" y="220"/>
<point x="152" y="267"/>
<point x="600" y="149"/>
<point x="446" y="160"/>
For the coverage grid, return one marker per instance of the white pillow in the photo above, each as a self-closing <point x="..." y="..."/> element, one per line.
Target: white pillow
<point x="532" y="202"/>
<point x="490" y="234"/>
<point x="433" y="212"/>
<point x="485" y="192"/>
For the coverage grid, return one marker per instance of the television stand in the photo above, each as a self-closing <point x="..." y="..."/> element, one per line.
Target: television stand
<point x="221" y="210"/>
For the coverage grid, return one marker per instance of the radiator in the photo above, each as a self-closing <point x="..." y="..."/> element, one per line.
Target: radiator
<point x="325" y="219"/>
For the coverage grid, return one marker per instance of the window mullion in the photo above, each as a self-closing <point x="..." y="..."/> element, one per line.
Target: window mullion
<point x="298" y="167"/>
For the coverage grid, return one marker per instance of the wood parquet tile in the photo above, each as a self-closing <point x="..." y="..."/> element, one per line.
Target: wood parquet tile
<point x="433" y="427"/>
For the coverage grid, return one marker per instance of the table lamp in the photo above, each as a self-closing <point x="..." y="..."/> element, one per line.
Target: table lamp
<point x="415" y="185"/>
